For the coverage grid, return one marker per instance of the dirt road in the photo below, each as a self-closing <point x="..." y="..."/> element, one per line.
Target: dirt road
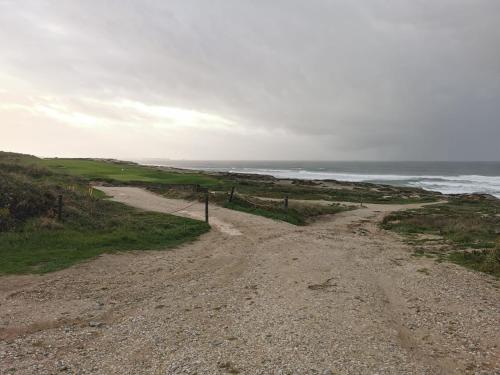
<point x="255" y="296"/>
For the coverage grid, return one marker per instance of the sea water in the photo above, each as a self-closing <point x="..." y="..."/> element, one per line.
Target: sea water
<point x="445" y="177"/>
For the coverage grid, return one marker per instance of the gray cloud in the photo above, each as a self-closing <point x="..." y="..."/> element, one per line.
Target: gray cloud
<point x="402" y="79"/>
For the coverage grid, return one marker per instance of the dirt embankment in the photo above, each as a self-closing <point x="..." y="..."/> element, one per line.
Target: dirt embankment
<point x="255" y="296"/>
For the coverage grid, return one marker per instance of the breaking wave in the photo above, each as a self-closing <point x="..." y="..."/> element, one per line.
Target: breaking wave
<point x="461" y="184"/>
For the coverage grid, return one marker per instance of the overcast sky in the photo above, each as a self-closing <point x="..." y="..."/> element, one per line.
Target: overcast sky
<point x="251" y="79"/>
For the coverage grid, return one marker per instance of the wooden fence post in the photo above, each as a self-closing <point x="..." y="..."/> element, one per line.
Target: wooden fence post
<point x="231" y="195"/>
<point x="496" y="251"/>
<point x="206" y="207"/>
<point x="286" y="202"/>
<point x="59" y="207"/>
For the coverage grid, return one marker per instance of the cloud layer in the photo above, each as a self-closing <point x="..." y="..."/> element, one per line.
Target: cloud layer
<point x="282" y="79"/>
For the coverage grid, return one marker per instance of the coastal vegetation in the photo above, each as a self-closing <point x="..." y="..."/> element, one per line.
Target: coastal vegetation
<point x="334" y="191"/>
<point x="34" y="239"/>
<point x="465" y="230"/>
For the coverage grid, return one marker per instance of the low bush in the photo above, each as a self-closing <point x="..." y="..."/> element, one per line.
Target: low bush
<point x="21" y="199"/>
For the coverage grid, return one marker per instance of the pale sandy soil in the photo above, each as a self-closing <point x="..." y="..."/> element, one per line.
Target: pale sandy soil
<point x="255" y="296"/>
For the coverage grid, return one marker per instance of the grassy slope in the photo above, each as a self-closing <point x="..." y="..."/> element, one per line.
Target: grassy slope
<point x="33" y="240"/>
<point x="463" y="231"/>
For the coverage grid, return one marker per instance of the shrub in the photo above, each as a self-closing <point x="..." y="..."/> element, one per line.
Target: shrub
<point x="21" y="199"/>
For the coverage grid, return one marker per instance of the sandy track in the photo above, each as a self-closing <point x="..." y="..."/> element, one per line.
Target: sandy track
<point x="339" y="296"/>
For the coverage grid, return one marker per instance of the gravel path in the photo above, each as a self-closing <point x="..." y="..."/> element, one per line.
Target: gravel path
<point x="255" y="296"/>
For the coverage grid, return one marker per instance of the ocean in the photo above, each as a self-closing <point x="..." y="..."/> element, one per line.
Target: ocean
<point x="445" y="177"/>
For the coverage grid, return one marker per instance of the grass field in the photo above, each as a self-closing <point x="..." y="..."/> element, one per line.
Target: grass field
<point x="123" y="172"/>
<point x="465" y="231"/>
<point x="33" y="240"/>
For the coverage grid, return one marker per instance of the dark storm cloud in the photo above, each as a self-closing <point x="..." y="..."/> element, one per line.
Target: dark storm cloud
<point x="402" y="79"/>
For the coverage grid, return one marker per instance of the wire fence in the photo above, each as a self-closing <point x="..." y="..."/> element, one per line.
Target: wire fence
<point x="256" y="204"/>
<point x="183" y="208"/>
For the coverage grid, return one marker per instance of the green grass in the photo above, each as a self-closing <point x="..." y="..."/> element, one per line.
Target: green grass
<point x="44" y="245"/>
<point x="487" y="261"/>
<point x="123" y="172"/>
<point x="33" y="240"/>
<point x="290" y="216"/>
<point x="466" y="226"/>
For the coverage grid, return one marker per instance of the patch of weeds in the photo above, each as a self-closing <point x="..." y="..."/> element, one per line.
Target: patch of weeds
<point x="419" y="253"/>
<point x="425" y="271"/>
<point x="487" y="260"/>
<point x="440" y="259"/>
<point x="468" y="226"/>
<point x="228" y="367"/>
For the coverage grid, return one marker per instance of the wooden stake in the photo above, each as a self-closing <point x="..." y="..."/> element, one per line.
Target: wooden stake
<point x="59" y="207"/>
<point x="206" y="207"/>
<point x="231" y="195"/>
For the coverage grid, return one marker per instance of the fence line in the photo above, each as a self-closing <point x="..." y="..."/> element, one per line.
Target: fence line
<point x="183" y="208"/>
<point x="255" y="204"/>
